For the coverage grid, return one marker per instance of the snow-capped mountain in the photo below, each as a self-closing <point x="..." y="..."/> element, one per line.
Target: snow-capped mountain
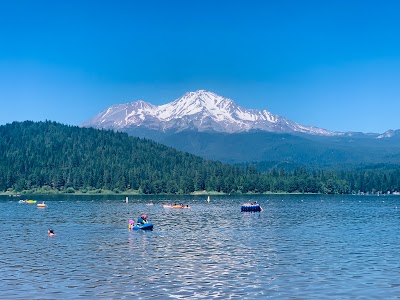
<point x="201" y="111"/>
<point x="389" y="134"/>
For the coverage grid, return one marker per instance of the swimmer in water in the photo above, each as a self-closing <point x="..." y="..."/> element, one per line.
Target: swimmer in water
<point x="131" y="223"/>
<point x="51" y="232"/>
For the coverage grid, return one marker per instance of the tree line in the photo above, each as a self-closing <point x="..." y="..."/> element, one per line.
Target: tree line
<point x="48" y="156"/>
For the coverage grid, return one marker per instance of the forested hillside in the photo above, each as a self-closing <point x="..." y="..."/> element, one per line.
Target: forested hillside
<point x="51" y="157"/>
<point x="70" y="158"/>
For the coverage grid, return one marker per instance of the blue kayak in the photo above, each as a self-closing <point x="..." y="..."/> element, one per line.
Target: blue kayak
<point x="147" y="226"/>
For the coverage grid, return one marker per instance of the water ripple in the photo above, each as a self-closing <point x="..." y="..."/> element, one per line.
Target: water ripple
<point x="321" y="247"/>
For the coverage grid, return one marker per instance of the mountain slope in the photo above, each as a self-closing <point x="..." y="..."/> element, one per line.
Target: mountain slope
<point x="312" y="150"/>
<point x="199" y="111"/>
<point x="214" y="127"/>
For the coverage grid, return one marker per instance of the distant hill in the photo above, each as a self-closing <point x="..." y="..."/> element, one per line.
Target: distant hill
<point x="300" y="149"/>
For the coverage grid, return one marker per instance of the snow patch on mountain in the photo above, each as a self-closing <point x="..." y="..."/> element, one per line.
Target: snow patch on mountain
<point x="389" y="134"/>
<point x="200" y="110"/>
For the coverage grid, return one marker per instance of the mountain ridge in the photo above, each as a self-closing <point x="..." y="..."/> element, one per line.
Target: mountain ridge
<point x="214" y="127"/>
<point x="201" y="111"/>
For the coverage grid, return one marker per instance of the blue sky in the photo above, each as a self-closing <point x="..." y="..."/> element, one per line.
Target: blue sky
<point x="331" y="64"/>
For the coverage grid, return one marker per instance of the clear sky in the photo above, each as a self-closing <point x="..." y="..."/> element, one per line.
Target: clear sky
<point x="331" y="64"/>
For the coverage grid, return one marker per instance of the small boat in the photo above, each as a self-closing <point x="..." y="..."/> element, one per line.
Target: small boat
<point x="180" y="206"/>
<point x="255" y="207"/>
<point x="146" y="226"/>
<point x="41" y="204"/>
<point x="167" y="205"/>
<point x="22" y="201"/>
<point x="31" y="201"/>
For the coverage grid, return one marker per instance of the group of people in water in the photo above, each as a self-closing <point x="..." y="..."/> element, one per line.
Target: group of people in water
<point x="143" y="218"/>
<point x="140" y="221"/>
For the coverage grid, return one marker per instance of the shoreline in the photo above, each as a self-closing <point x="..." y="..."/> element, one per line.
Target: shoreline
<point x="135" y="193"/>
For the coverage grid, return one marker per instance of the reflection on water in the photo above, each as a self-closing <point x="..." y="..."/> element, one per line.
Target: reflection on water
<point x="298" y="247"/>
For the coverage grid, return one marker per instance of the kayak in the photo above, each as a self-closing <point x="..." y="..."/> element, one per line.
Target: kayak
<point x="147" y="226"/>
<point x="180" y="206"/>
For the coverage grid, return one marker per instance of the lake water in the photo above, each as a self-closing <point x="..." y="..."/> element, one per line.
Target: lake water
<point x="299" y="247"/>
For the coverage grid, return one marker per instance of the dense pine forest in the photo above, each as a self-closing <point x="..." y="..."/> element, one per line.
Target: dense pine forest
<point x="48" y="157"/>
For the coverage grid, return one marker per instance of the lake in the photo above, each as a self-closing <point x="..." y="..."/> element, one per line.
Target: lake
<point x="299" y="247"/>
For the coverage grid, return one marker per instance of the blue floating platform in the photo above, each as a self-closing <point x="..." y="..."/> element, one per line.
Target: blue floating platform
<point x="255" y="208"/>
